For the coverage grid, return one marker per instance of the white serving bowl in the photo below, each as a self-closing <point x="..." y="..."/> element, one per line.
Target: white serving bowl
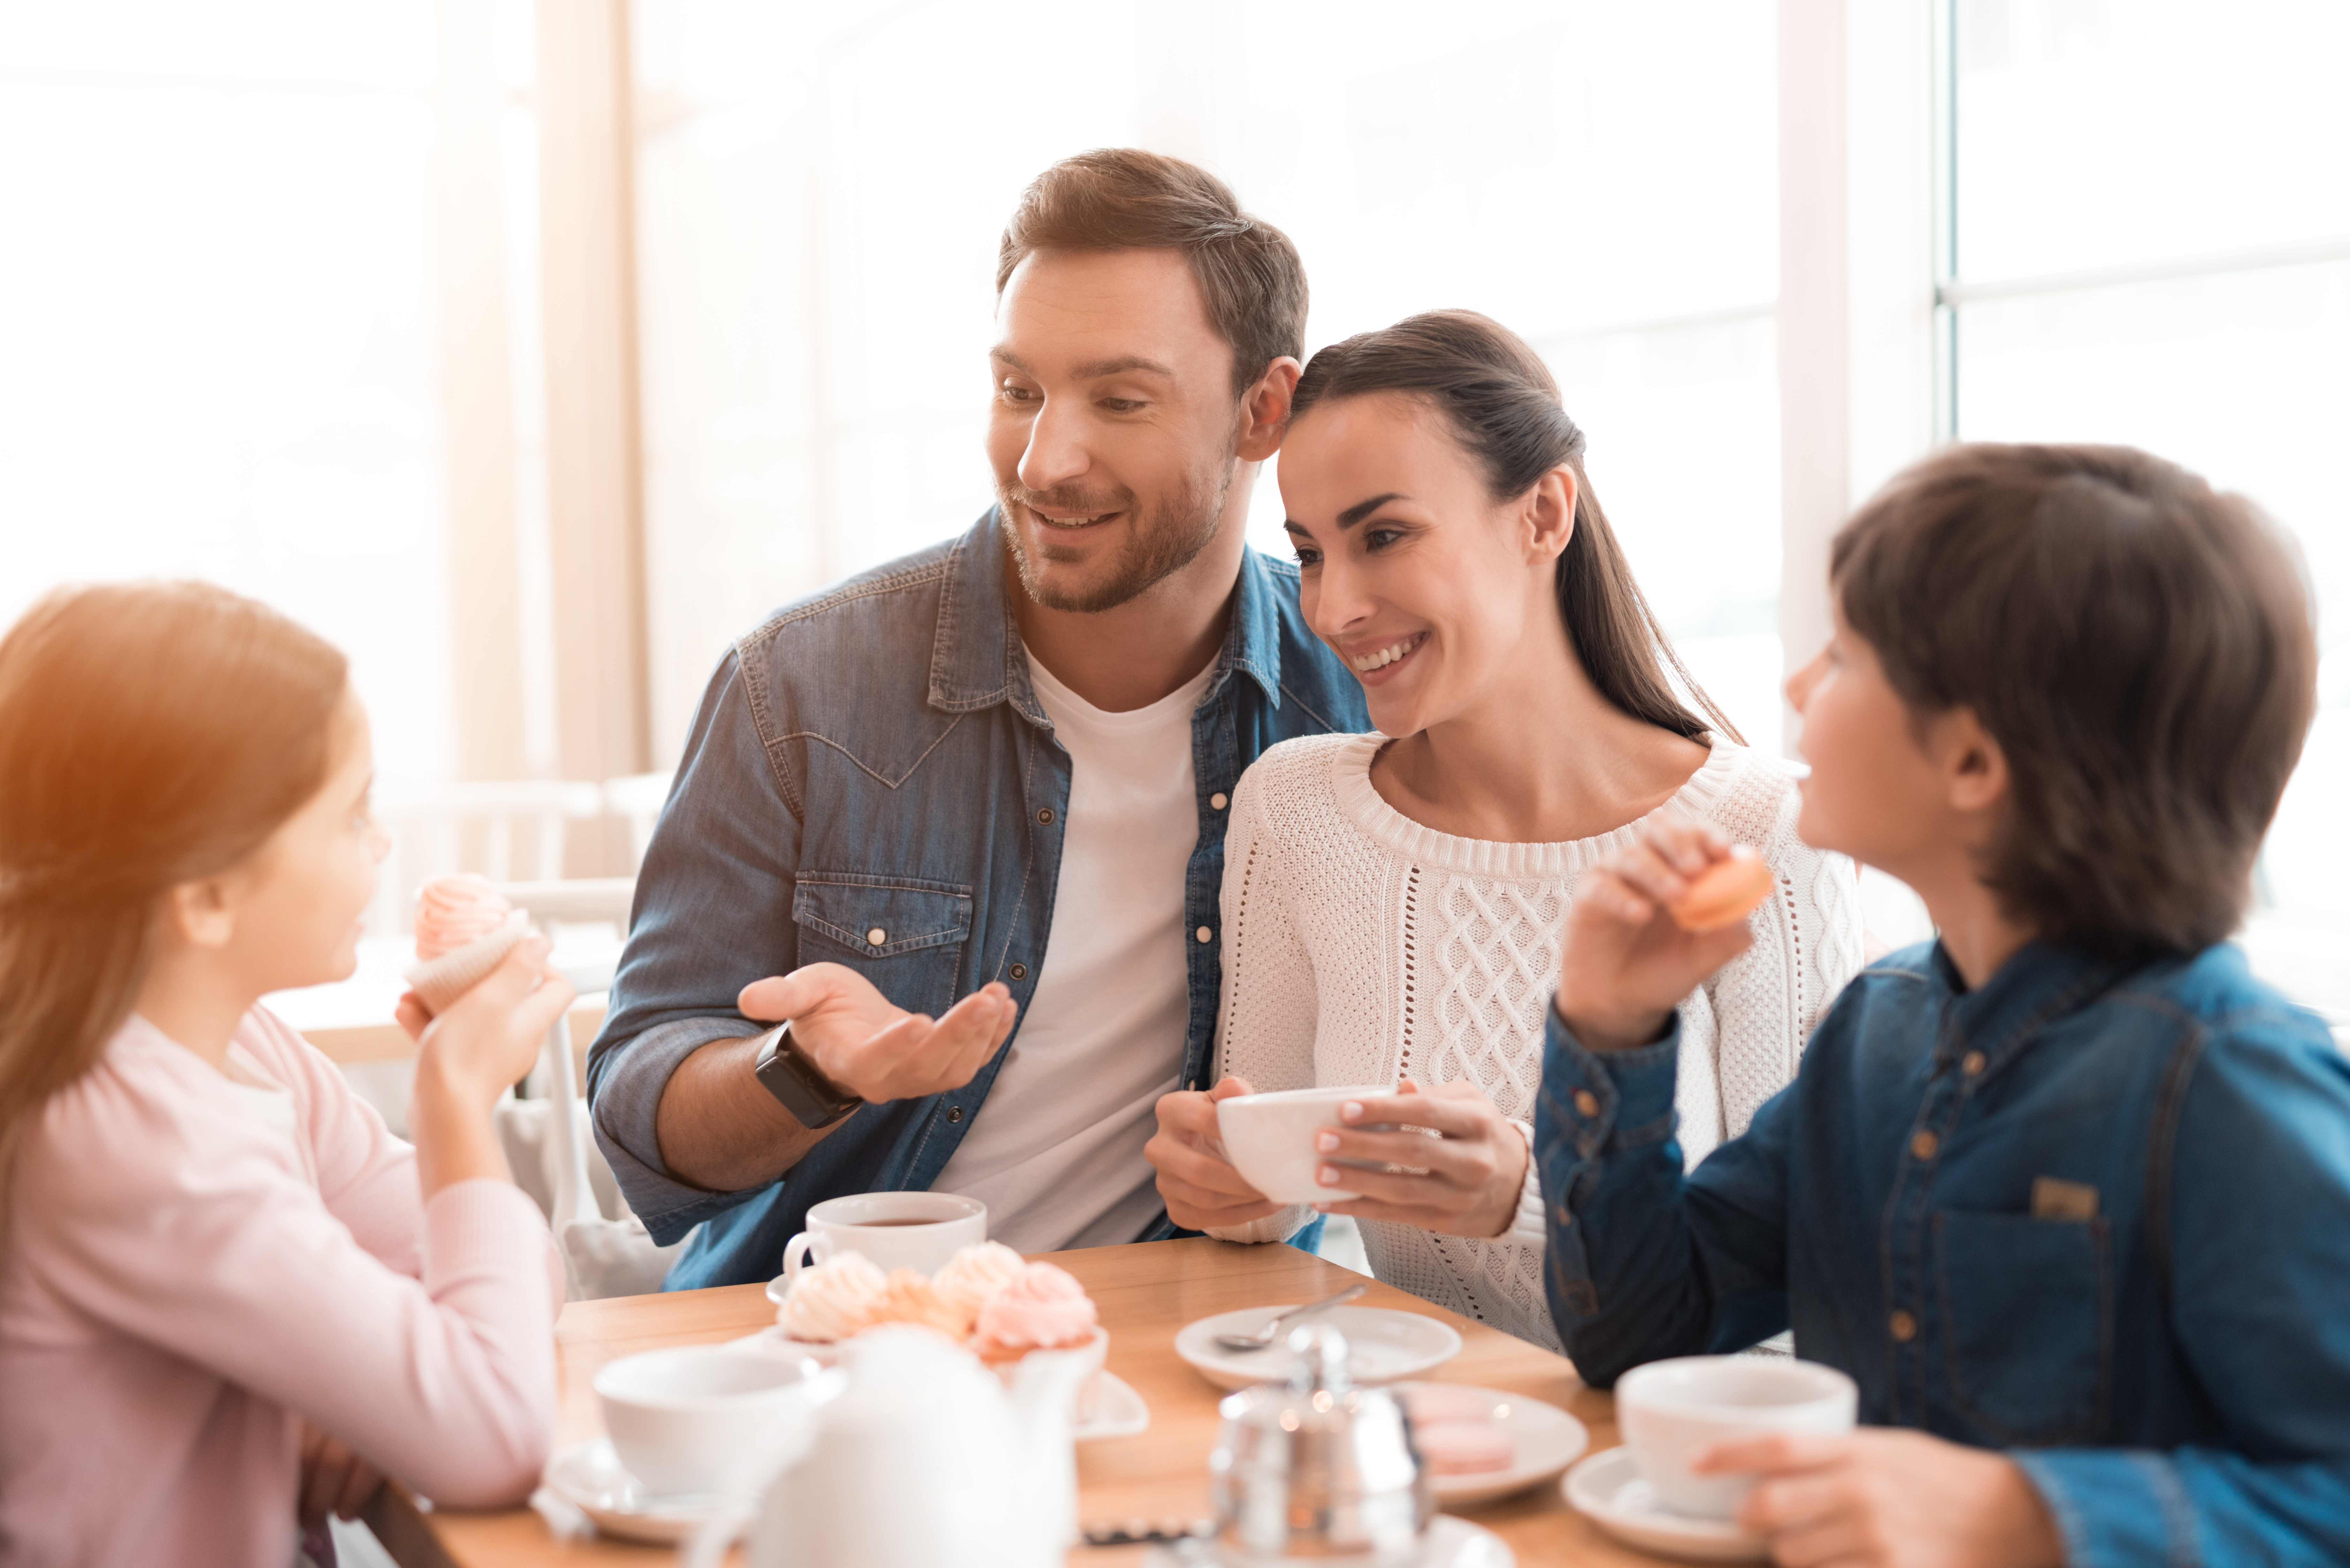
<point x="1670" y="1409"/>
<point x="1269" y="1138"/>
<point x="698" y="1419"/>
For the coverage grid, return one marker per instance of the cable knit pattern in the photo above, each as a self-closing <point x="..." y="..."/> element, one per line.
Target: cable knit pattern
<point x="1361" y="945"/>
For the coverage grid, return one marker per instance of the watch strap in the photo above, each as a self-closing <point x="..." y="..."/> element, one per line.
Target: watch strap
<point x="798" y="1084"/>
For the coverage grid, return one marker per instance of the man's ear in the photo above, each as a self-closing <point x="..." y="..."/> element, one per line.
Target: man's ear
<point x="1548" y="514"/>
<point x="199" y="914"/>
<point x="1264" y="410"/>
<point x="1974" y="766"/>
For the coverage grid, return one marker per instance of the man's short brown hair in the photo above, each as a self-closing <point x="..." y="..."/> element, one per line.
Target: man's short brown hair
<point x="1122" y="199"/>
<point x="2140" y="645"/>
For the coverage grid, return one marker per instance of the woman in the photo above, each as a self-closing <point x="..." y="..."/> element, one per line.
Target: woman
<point x="1393" y="902"/>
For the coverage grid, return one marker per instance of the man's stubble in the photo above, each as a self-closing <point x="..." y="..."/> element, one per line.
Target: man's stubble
<point x="1177" y="530"/>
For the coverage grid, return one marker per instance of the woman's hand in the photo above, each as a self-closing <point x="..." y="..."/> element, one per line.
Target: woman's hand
<point x="1465" y="1181"/>
<point x="335" y="1480"/>
<point x="1198" y="1184"/>
<point x="1625" y="965"/>
<point x="1883" y="1499"/>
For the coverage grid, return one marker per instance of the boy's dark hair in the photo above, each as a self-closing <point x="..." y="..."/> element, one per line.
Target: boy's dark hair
<point x="1122" y="197"/>
<point x="2140" y="647"/>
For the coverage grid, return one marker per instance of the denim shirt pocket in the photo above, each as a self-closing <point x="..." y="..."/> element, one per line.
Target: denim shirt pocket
<point x="2027" y="1310"/>
<point x="903" y="934"/>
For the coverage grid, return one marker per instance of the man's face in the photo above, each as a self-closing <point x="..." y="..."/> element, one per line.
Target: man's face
<point x="1113" y="429"/>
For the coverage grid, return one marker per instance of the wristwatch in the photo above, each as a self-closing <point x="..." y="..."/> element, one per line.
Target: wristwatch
<point x="798" y="1084"/>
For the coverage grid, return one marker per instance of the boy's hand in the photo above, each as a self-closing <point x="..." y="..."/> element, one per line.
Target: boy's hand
<point x="1465" y="1181"/>
<point x="1198" y="1184"/>
<point x="1883" y="1499"/>
<point x="1626" y="965"/>
<point x="870" y="1046"/>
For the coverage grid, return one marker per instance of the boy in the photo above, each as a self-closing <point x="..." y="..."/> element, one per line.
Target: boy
<point x="2067" y="1189"/>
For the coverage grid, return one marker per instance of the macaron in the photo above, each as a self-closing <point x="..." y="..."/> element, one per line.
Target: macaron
<point x="1724" y="893"/>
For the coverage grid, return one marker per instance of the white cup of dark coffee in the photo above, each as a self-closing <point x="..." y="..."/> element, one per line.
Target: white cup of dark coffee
<point x="919" y="1230"/>
<point x="701" y="1419"/>
<point x="1269" y="1138"/>
<point x="1670" y="1411"/>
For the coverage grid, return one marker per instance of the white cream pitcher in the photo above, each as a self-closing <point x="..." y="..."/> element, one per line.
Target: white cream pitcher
<point x="925" y="1461"/>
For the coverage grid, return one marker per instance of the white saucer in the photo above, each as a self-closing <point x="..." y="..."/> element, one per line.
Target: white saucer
<point x="1547" y="1437"/>
<point x="588" y="1477"/>
<point x="1450" y="1543"/>
<point x="1383" y="1345"/>
<point x="1606" y="1489"/>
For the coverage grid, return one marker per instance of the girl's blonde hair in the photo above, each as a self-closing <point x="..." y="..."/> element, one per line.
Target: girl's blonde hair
<point x="151" y="734"/>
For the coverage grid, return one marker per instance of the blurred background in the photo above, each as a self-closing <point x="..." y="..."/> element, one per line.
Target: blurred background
<point x="532" y="351"/>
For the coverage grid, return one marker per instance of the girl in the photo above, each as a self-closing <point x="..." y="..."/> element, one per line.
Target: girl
<point x="1393" y="902"/>
<point x="220" y="1275"/>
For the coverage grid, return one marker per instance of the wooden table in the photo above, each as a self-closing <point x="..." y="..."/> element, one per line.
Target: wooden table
<point x="1145" y="1292"/>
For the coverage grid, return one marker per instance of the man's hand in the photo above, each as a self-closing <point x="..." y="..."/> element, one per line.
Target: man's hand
<point x="1625" y="965"/>
<point x="1196" y="1182"/>
<point x="334" y="1479"/>
<point x="1884" y="1499"/>
<point x="1464" y="1181"/>
<point x="873" y="1048"/>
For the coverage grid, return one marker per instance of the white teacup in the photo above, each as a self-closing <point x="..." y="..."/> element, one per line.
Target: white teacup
<point x="1269" y="1138"/>
<point x="701" y="1419"/>
<point x="1669" y="1410"/>
<point x="917" y="1231"/>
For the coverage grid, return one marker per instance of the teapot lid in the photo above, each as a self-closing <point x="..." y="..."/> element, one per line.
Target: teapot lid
<point x="1317" y="1354"/>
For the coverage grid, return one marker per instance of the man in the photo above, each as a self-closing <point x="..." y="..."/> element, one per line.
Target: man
<point x="998" y="767"/>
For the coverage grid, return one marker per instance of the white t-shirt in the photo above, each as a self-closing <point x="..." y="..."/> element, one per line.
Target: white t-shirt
<point x="1056" y="1152"/>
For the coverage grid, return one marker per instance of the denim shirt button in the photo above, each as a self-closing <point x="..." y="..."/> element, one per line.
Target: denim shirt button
<point x="1044" y="815"/>
<point x="1903" y="1327"/>
<point x="954" y="1113"/>
<point x="1925" y="1144"/>
<point x="1205" y="934"/>
<point x="1220" y="800"/>
<point x="1971" y="1064"/>
<point x="877" y="936"/>
<point x="1586" y="1102"/>
<point x="1020" y="971"/>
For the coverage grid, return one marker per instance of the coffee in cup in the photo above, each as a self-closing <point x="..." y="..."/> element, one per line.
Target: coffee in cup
<point x="919" y="1230"/>
<point x="1670" y="1411"/>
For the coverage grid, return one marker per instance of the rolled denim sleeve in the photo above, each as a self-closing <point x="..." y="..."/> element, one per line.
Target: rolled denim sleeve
<point x="714" y="912"/>
<point x="1644" y="1260"/>
<point x="2259" y="1174"/>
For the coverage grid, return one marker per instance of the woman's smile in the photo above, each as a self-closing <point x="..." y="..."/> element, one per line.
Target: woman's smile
<point x="1375" y="663"/>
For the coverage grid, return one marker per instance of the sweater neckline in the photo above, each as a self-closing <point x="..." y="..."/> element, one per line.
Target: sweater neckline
<point x="1360" y="803"/>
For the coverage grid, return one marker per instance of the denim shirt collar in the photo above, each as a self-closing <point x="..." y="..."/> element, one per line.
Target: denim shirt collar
<point x="976" y="661"/>
<point x="2038" y="985"/>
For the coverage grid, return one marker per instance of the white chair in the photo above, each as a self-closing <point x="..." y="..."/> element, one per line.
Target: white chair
<point x="639" y="798"/>
<point x="502" y="830"/>
<point x="603" y="1254"/>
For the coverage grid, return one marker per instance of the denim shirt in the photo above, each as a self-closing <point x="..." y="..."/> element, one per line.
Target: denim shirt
<point x="872" y="782"/>
<point x="2093" y="1214"/>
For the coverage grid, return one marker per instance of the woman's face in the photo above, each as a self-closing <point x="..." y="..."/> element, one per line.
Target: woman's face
<point x="298" y="905"/>
<point x="1412" y="573"/>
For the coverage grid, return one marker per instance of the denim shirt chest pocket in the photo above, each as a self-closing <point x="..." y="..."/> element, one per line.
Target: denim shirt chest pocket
<point x="904" y="934"/>
<point x="2027" y="1312"/>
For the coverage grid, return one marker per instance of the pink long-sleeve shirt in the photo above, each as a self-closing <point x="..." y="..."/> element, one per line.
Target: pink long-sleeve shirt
<point x="193" y="1264"/>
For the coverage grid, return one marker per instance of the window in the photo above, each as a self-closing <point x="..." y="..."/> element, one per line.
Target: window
<point x="2147" y="240"/>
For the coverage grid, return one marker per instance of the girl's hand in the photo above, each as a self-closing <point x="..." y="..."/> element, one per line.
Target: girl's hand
<point x="1198" y="1184"/>
<point x="1465" y="1181"/>
<point x="335" y="1480"/>
<point x="1883" y="1499"/>
<point x="489" y="1038"/>
<point x="1626" y="965"/>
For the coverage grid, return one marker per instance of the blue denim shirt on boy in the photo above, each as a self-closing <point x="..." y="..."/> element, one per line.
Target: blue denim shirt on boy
<point x="2095" y="1215"/>
<point x="873" y="760"/>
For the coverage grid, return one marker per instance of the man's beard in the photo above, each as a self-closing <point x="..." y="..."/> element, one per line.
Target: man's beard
<point x="1158" y="547"/>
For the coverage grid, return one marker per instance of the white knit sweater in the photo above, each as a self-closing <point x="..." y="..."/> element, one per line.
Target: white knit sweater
<point x="1361" y="945"/>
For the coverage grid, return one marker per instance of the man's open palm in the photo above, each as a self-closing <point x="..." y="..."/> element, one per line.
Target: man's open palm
<point x="870" y="1046"/>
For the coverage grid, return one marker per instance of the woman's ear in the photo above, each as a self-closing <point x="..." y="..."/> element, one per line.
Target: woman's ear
<point x="1549" y="512"/>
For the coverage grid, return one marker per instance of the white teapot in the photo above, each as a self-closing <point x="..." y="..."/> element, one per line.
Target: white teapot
<point x="925" y="1461"/>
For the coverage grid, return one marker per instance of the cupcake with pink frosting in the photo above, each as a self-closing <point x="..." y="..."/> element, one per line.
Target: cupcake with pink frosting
<point x="454" y="909"/>
<point x="1040" y="1308"/>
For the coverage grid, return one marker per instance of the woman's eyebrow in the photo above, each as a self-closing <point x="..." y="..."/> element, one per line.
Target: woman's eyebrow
<point x="1362" y="509"/>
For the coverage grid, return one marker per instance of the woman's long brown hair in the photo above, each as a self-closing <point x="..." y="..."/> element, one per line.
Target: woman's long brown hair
<point x="1503" y="405"/>
<point x="151" y="734"/>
